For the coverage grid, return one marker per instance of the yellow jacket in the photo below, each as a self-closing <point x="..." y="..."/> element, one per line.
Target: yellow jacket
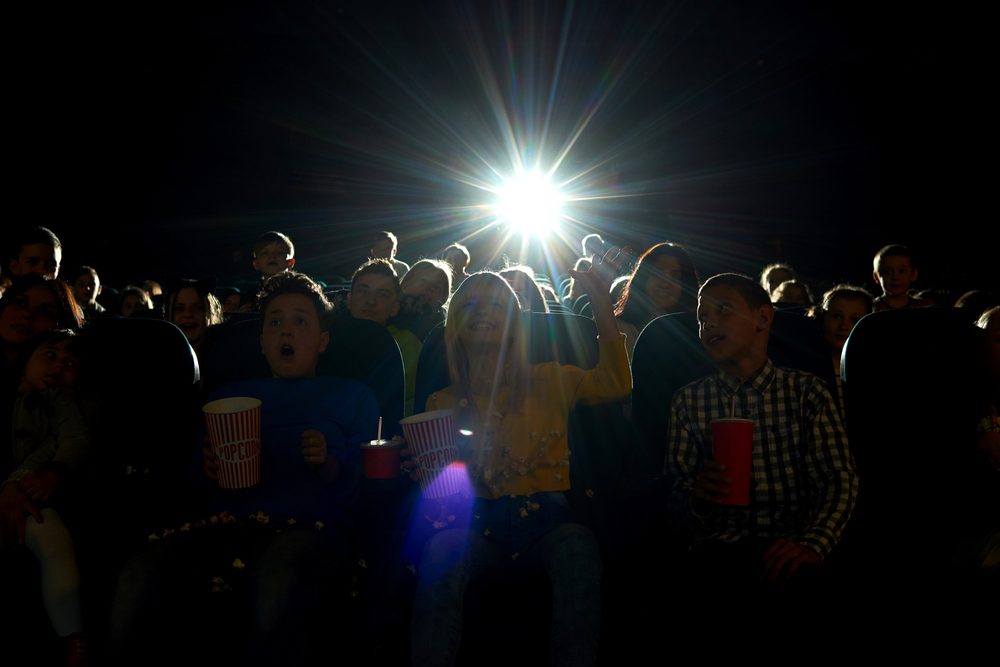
<point x="520" y="452"/>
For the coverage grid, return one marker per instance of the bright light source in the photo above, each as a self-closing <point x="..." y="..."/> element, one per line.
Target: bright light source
<point x="530" y="203"/>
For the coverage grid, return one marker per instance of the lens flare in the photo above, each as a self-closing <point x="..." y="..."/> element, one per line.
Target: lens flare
<point x="530" y="203"/>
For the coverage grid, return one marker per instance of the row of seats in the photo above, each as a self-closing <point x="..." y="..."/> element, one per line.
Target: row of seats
<point x="911" y="379"/>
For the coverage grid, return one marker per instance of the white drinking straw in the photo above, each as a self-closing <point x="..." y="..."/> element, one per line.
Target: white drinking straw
<point x="379" y="437"/>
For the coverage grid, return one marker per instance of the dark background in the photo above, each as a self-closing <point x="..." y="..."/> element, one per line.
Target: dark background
<point x="160" y="140"/>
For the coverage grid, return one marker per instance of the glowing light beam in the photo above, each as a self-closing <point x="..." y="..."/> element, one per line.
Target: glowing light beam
<point x="530" y="203"/>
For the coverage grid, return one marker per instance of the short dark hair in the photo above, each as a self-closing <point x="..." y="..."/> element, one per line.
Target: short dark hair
<point x="383" y="235"/>
<point x="33" y="235"/>
<point x="437" y="264"/>
<point x="593" y="240"/>
<point x="380" y="267"/>
<point x="458" y="247"/>
<point x="83" y="270"/>
<point x="845" y="291"/>
<point x="267" y="238"/>
<point x="776" y="266"/>
<point x="748" y="288"/>
<point x="893" y="249"/>
<point x="292" y="282"/>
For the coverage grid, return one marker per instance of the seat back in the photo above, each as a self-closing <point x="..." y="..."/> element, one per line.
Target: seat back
<point x="668" y="355"/>
<point x="139" y="392"/>
<point x="912" y="392"/>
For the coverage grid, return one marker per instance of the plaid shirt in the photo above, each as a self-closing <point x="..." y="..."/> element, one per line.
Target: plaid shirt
<point x="803" y="483"/>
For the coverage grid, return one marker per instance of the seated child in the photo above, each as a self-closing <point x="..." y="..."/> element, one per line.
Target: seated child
<point x="803" y="483"/>
<point x="895" y="271"/>
<point x="134" y="300"/>
<point x="840" y="310"/>
<point x="273" y="252"/>
<point x="50" y="442"/>
<point x="517" y="456"/>
<point x="290" y="530"/>
<point x="87" y="287"/>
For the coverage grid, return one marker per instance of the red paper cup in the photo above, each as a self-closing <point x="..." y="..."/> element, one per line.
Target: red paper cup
<point x="380" y="459"/>
<point x="431" y="438"/>
<point x="234" y="431"/>
<point x="732" y="446"/>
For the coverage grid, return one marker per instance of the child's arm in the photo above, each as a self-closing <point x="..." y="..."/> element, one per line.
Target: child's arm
<point x="40" y="485"/>
<point x="783" y="558"/>
<point x="611" y="379"/>
<point x="68" y="442"/>
<point x="829" y="469"/>
<point x="685" y="467"/>
<point x="596" y="283"/>
<point x="15" y="506"/>
<point x="314" y="453"/>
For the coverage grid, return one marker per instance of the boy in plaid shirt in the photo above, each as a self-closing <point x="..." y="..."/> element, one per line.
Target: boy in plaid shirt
<point x="803" y="484"/>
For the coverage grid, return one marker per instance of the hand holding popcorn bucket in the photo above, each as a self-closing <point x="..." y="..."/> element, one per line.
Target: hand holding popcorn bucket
<point x="234" y="431"/>
<point x="431" y="438"/>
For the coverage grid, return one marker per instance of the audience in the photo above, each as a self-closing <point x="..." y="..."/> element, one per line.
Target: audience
<point x="515" y="445"/>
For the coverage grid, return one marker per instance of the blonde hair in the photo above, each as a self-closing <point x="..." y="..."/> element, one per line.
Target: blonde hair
<point x="512" y="368"/>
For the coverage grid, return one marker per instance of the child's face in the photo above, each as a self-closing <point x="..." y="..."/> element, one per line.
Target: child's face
<point x="189" y="314"/>
<point x="895" y="275"/>
<point x="86" y="288"/>
<point x="729" y="328"/>
<point x="292" y="339"/>
<point x="130" y="304"/>
<point x="664" y="285"/>
<point x="231" y="304"/>
<point x="273" y="258"/>
<point x="483" y="315"/>
<point x="38" y="258"/>
<point x="427" y="283"/>
<point x="51" y="365"/>
<point x="373" y="297"/>
<point x="839" y="320"/>
<point x="33" y="311"/>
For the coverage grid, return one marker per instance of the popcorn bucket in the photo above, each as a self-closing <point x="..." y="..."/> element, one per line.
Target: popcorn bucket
<point x="234" y="431"/>
<point x="431" y="438"/>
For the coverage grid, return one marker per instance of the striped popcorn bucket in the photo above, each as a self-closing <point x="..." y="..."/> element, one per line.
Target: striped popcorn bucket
<point x="431" y="438"/>
<point x="234" y="431"/>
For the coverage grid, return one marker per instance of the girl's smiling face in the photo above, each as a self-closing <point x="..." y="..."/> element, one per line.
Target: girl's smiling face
<point x="484" y="313"/>
<point x="189" y="314"/>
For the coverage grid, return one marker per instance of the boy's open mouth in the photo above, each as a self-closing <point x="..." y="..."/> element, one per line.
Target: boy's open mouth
<point x="287" y="350"/>
<point x="714" y="338"/>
